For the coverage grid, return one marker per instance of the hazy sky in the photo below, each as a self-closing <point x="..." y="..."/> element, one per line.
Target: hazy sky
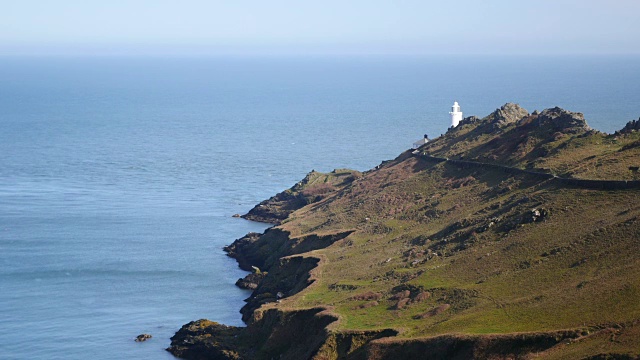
<point x="319" y="27"/>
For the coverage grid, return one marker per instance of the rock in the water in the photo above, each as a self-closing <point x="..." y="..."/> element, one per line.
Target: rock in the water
<point x="235" y="215"/>
<point x="143" y="337"/>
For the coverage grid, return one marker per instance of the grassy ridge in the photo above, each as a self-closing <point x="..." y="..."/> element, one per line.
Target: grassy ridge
<point x="420" y="258"/>
<point x="496" y="253"/>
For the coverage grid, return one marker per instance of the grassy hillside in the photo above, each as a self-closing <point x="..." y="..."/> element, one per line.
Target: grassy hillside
<point x="449" y="257"/>
<point x="313" y="188"/>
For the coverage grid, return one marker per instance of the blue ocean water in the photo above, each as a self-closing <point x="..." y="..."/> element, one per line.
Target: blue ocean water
<point x="119" y="176"/>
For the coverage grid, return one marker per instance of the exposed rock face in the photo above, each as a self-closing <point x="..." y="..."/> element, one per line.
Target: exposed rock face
<point x="314" y="187"/>
<point x="469" y="120"/>
<point x="289" y="277"/>
<point x="562" y="120"/>
<point x="251" y="281"/>
<point x="195" y="341"/>
<point x="273" y="334"/>
<point x="631" y="126"/>
<point x="507" y="114"/>
<point x="276" y="208"/>
<point x="235" y="249"/>
<point x="265" y="250"/>
<point x="495" y="161"/>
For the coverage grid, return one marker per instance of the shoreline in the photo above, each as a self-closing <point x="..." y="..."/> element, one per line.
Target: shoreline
<point x="283" y="264"/>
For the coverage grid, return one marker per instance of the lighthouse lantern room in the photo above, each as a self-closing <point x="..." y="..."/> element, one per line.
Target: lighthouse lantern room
<point x="456" y="114"/>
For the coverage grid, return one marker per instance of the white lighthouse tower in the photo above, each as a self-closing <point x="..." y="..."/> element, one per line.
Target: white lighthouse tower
<point x="456" y="114"/>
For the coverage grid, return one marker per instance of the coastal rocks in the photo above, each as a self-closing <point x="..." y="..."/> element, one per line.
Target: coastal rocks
<point x="205" y="339"/>
<point x="469" y="120"/>
<point x="276" y="208"/>
<point x="271" y="334"/>
<point x="251" y="281"/>
<point x="562" y="120"/>
<point x="350" y="344"/>
<point x="265" y="250"/>
<point x="235" y="249"/>
<point x="314" y="187"/>
<point x="289" y="277"/>
<point x="508" y="113"/>
<point x="143" y="337"/>
<point x="631" y="126"/>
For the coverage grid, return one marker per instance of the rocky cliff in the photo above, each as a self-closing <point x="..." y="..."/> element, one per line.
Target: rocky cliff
<point x="313" y="188"/>
<point x="492" y="241"/>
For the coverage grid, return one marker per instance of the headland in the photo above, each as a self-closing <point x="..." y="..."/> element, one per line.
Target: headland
<point x="515" y="235"/>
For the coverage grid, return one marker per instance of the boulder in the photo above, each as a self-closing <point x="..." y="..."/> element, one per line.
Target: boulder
<point x="143" y="337"/>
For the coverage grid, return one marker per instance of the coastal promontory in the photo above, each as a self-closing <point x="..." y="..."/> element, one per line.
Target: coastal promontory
<point x="511" y="236"/>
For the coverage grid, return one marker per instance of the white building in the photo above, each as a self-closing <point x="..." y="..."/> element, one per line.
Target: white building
<point x="421" y="142"/>
<point x="456" y="114"/>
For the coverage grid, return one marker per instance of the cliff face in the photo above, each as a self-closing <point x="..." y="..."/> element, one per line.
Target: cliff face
<point x="493" y="241"/>
<point x="313" y="188"/>
<point x="631" y="126"/>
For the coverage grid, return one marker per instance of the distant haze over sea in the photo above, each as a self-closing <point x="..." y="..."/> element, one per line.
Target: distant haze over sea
<point x="119" y="176"/>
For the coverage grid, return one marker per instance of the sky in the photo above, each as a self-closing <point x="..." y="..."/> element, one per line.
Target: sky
<point x="420" y="27"/>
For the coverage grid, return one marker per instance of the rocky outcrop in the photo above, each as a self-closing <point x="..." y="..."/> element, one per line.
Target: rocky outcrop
<point x="303" y="334"/>
<point x="314" y="187"/>
<point x="469" y="120"/>
<point x="206" y="340"/>
<point x="631" y="126"/>
<point x="264" y="250"/>
<point x="289" y="277"/>
<point x="237" y="250"/>
<point x="508" y="113"/>
<point x="273" y="334"/>
<point x="251" y="281"/>
<point x="562" y="120"/>
<point x="276" y="208"/>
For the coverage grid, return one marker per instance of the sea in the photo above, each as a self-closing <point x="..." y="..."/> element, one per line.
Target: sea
<point x="119" y="176"/>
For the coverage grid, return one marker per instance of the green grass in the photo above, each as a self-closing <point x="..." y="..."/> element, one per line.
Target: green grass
<point x="576" y="268"/>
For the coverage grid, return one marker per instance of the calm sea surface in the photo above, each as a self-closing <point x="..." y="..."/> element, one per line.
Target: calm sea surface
<point x="119" y="176"/>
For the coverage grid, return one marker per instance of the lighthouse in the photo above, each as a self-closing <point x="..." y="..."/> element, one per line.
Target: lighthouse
<point x="456" y="114"/>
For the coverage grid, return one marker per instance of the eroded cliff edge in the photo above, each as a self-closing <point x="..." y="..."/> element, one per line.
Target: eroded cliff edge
<point x="472" y="247"/>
